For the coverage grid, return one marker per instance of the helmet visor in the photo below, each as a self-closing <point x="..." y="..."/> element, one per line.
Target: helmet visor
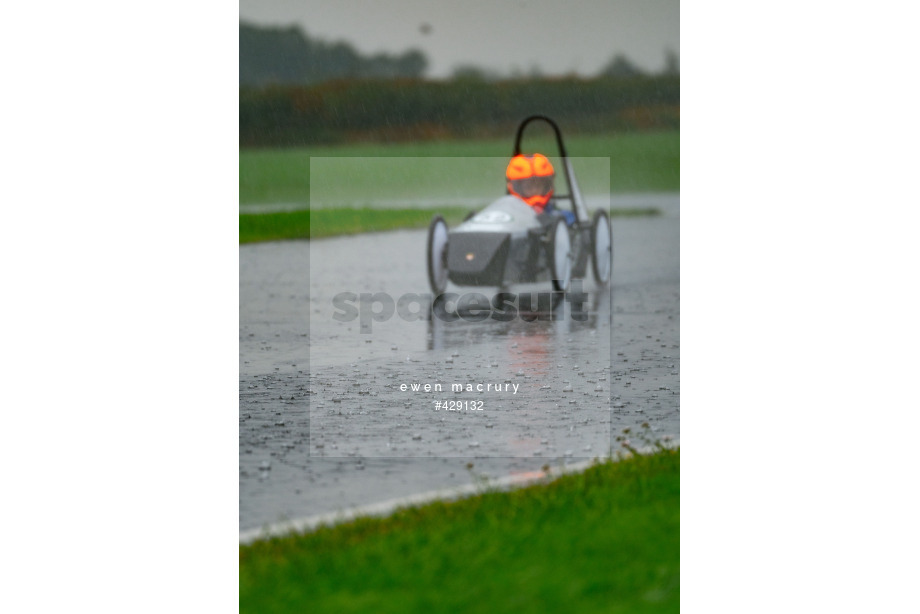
<point x="533" y="186"/>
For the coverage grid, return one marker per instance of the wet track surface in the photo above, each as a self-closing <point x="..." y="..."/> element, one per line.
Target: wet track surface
<point x="327" y="415"/>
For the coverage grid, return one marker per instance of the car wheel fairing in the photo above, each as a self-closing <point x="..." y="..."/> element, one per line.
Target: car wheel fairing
<point x="437" y="254"/>
<point x="561" y="257"/>
<point x="601" y="247"/>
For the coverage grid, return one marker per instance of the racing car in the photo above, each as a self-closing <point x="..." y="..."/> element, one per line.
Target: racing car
<point x="510" y="242"/>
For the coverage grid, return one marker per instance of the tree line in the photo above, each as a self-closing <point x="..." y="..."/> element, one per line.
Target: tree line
<point x="296" y="90"/>
<point x="412" y="109"/>
<point x="287" y="56"/>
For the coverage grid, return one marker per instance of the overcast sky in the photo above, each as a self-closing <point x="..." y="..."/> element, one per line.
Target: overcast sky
<point x="558" y="36"/>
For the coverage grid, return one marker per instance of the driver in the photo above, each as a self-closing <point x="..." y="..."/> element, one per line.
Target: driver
<point x="532" y="179"/>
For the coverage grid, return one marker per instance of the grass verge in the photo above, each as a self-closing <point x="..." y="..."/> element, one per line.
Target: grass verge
<point x="643" y="162"/>
<point x="606" y="540"/>
<point x="333" y="222"/>
<point x="255" y="227"/>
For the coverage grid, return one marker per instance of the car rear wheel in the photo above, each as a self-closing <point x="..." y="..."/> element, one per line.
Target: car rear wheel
<point x="437" y="255"/>
<point x="601" y="247"/>
<point x="560" y="256"/>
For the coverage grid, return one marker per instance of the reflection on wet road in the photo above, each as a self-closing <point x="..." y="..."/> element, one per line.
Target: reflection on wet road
<point x="334" y="411"/>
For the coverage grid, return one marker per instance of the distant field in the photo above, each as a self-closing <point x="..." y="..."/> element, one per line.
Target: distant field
<point x="647" y="162"/>
<point x="606" y="540"/>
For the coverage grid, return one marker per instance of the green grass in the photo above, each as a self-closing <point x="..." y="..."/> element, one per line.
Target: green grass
<point x="255" y="227"/>
<point x="643" y="162"/>
<point x="332" y="222"/>
<point x="606" y="540"/>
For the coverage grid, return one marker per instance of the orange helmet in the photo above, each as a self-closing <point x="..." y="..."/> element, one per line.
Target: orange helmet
<point x="532" y="179"/>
